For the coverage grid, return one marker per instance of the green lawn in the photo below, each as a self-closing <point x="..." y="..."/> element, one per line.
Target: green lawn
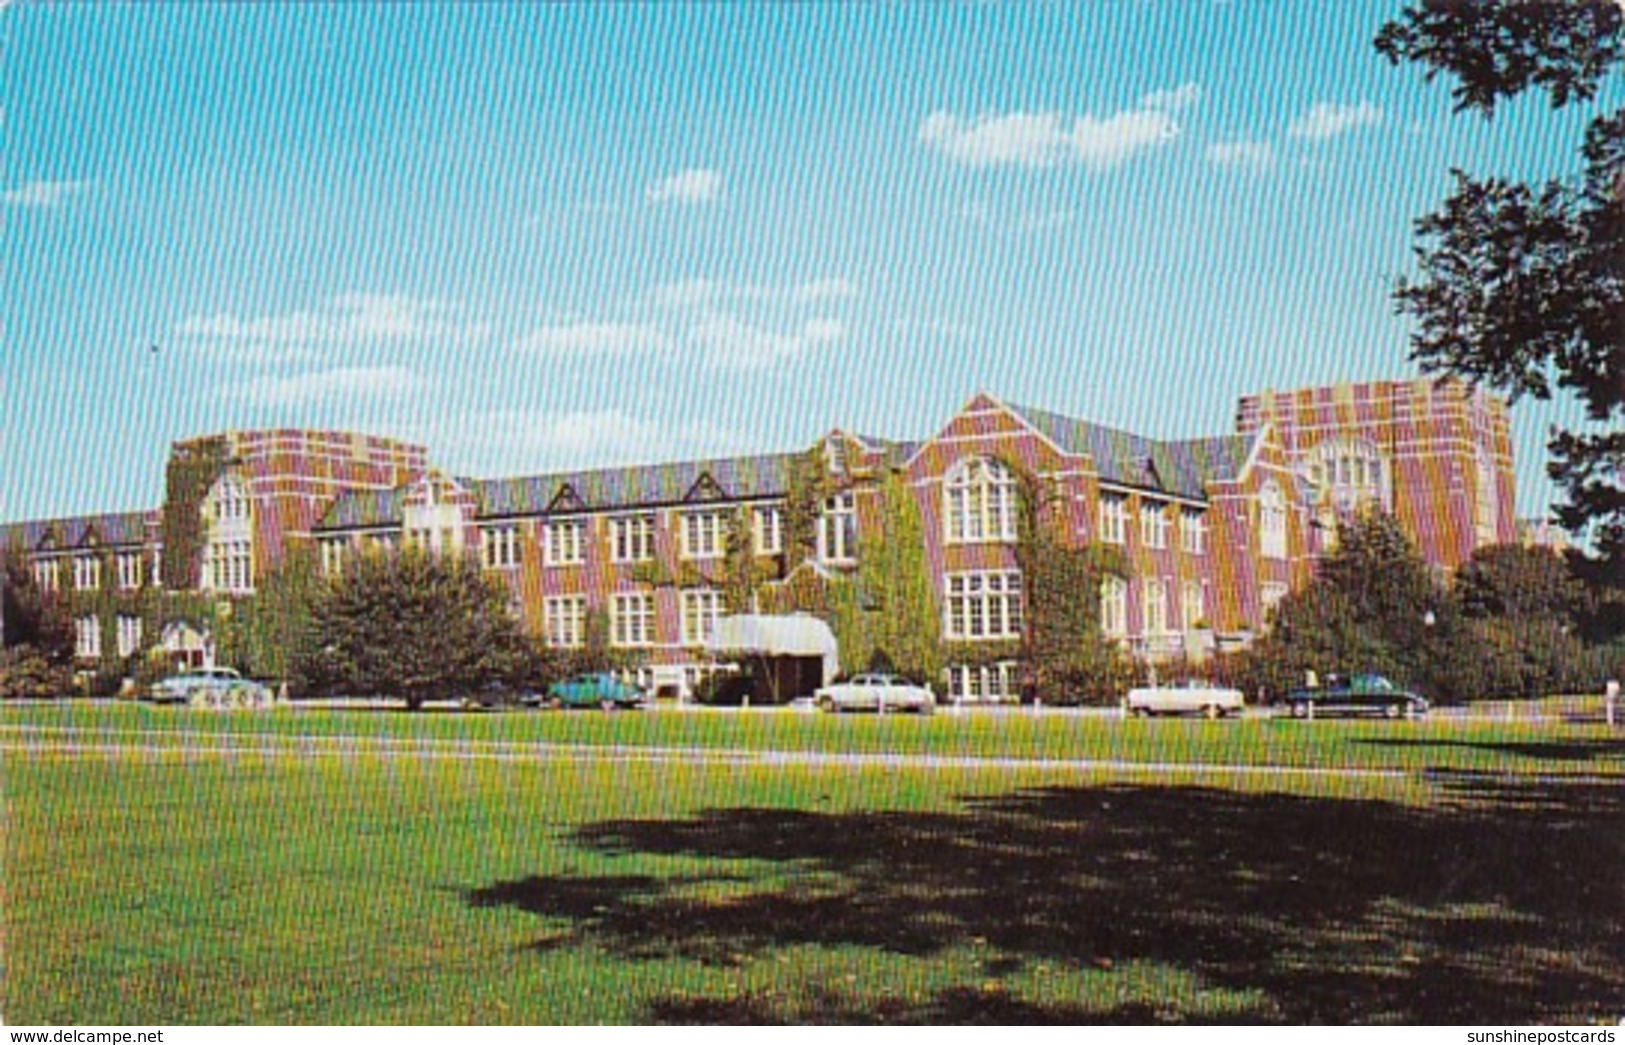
<point x="1481" y="885"/>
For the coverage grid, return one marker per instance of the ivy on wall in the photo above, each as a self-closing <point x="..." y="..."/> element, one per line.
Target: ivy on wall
<point x="193" y="467"/>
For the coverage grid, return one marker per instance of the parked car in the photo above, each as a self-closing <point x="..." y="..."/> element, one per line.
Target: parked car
<point x="876" y="692"/>
<point x="179" y="689"/>
<point x="496" y="696"/>
<point x="602" y="689"/>
<point x="1358" y="695"/>
<point x="1187" y="698"/>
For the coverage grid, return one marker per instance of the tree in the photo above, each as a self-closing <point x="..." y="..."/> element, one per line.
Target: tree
<point x="276" y="620"/>
<point x="1523" y="287"/>
<point x="31" y="618"/>
<point x="903" y="624"/>
<point x="414" y="626"/>
<point x="1510" y="580"/>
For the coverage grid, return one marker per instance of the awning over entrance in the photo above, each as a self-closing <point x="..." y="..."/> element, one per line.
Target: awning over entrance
<point x="760" y="635"/>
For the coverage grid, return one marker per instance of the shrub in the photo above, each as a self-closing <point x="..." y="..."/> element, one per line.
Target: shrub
<point x="25" y="674"/>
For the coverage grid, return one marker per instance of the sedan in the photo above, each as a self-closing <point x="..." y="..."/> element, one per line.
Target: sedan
<point x="1192" y="698"/>
<point x="602" y="689"/>
<point x="880" y="693"/>
<point x="199" y="682"/>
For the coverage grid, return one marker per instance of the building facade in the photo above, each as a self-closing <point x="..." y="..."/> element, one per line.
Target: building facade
<point x="1213" y="531"/>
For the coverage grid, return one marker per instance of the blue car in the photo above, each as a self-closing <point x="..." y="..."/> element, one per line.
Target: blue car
<point x="602" y="689"/>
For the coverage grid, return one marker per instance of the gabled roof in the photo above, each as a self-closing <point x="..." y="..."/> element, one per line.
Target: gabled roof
<point x="111" y="528"/>
<point x="604" y="489"/>
<point x="1181" y="467"/>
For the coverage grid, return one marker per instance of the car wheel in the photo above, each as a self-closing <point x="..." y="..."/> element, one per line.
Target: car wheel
<point x="1212" y="711"/>
<point x="1296" y="710"/>
<point x="555" y="703"/>
<point x="826" y="704"/>
<point x="1391" y="710"/>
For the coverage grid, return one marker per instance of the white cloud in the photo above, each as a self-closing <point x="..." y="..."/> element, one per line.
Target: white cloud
<point x="337" y="385"/>
<point x="517" y="442"/>
<point x="1174" y="99"/>
<point x="594" y="339"/>
<point x="39" y="195"/>
<point x="1242" y="155"/>
<point x="342" y="320"/>
<point x="1329" y="119"/>
<point x="1048" y="139"/>
<point x="727" y="342"/>
<point x="694" y="185"/>
<point x="697" y="292"/>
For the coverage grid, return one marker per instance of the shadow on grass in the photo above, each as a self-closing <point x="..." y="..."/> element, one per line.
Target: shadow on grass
<point x="1487" y="907"/>
<point x="1564" y="751"/>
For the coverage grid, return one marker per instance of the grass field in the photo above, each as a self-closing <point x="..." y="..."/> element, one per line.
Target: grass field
<point x="1464" y="872"/>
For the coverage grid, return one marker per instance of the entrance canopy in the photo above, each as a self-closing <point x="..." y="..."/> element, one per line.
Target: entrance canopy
<point x="760" y="635"/>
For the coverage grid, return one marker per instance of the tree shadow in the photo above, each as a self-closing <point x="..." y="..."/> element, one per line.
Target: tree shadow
<point x="1502" y="903"/>
<point x="1564" y="751"/>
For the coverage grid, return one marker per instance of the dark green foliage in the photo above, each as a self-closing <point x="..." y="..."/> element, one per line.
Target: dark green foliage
<point x="1066" y="658"/>
<point x="275" y="622"/>
<point x="32" y="618"/>
<point x="415" y="627"/>
<point x="900" y="616"/>
<point x="1511" y="580"/>
<point x="26" y="674"/>
<point x="1523" y="287"/>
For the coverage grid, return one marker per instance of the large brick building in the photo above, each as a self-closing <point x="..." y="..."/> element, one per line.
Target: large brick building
<point x="1214" y="530"/>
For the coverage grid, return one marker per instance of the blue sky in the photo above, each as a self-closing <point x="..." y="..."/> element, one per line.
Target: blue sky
<point x="549" y="237"/>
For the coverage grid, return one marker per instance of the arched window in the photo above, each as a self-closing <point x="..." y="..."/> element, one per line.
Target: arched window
<point x="228" y="552"/>
<point x="979" y="502"/>
<point x="1271" y="522"/>
<point x="1348" y="473"/>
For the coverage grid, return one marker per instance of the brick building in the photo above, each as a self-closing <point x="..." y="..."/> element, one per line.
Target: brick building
<point x="1214" y="530"/>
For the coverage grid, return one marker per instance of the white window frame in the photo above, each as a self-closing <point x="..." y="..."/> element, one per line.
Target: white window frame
<point x="333" y="553"/>
<point x="996" y="683"/>
<point x="564" y="621"/>
<point x="1192" y="604"/>
<point x="703" y="534"/>
<point x="129" y="570"/>
<point x="87" y="637"/>
<point x="87" y="572"/>
<point x="700" y="609"/>
<point x="1153" y="523"/>
<point x="129" y="634"/>
<point x="1113" y="518"/>
<point x="1270" y="596"/>
<point x="563" y="542"/>
<point x="982" y="605"/>
<point x="1271" y="521"/>
<point x="632" y="538"/>
<point x="632" y="620"/>
<point x="1114" y="607"/>
<point x="767" y="528"/>
<point x="46" y="574"/>
<point x="1193" y="531"/>
<point x="979" y="503"/>
<point x="500" y="547"/>
<point x="838" y="529"/>
<point x="1485" y="507"/>
<point x="1154" y="607"/>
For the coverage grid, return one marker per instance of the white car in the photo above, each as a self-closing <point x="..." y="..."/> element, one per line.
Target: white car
<point x="180" y="689"/>
<point x="1190" y="698"/>
<point x="874" y="692"/>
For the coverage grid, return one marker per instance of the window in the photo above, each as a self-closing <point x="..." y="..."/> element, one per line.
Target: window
<point x="87" y="572"/>
<point x="1113" y="518"/>
<point x="1271" y="595"/>
<point x="499" y="546"/>
<point x="1484" y="499"/>
<point x="1154" y="613"/>
<point x="700" y="611"/>
<point x="229" y="499"/>
<point x="129" y="570"/>
<point x="228" y="567"/>
<point x="1114" y="607"/>
<point x="561" y="542"/>
<point x="1271" y="522"/>
<point x="838" y="530"/>
<point x="385" y="542"/>
<point x="1192" y="604"/>
<point x="129" y="634"/>
<point x="45" y="574"/>
<point x="983" y="683"/>
<point x="632" y="538"/>
<point x="768" y="525"/>
<point x="1153" y="524"/>
<point x="632" y="620"/>
<point x="702" y="534"/>
<point x="333" y="549"/>
<point x="87" y="637"/>
<point x="981" y="503"/>
<point x="564" y="621"/>
<point x="983" y="605"/>
<point x="1349" y="472"/>
<point x="1193" y="531"/>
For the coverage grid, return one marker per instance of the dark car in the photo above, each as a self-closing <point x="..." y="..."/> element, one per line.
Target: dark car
<point x="1358" y="695"/>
